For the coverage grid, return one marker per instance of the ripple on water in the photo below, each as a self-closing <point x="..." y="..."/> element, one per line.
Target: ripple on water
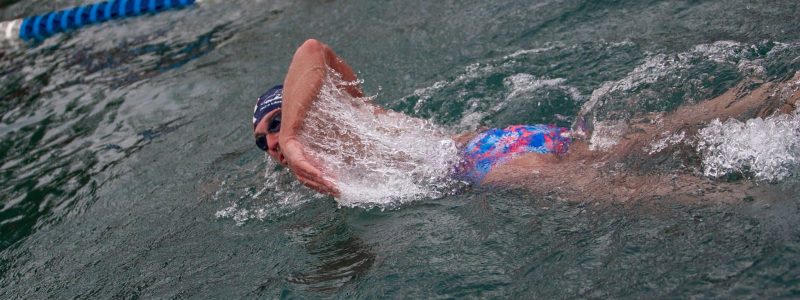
<point x="338" y="256"/>
<point x="72" y="107"/>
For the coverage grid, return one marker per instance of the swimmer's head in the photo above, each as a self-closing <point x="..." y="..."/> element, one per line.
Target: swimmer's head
<point x="267" y="122"/>
<point x="268" y="102"/>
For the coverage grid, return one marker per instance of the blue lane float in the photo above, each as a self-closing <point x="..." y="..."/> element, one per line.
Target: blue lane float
<point x="43" y="26"/>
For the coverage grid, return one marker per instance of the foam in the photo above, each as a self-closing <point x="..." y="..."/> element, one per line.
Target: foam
<point x="766" y="149"/>
<point x="522" y="83"/>
<point x="528" y="52"/>
<point x="606" y="135"/>
<point x="663" y="143"/>
<point x="275" y="195"/>
<point x="376" y="159"/>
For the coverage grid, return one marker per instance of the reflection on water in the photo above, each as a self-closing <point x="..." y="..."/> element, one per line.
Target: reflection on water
<point x="336" y="255"/>
<point x="67" y="115"/>
<point x="340" y="256"/>
<point x="62" y="130"/>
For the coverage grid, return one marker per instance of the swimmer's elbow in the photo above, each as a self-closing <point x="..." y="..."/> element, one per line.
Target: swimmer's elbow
<point x="311" y="47"/>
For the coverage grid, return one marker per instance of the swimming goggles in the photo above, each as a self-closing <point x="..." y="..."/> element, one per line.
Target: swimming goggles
<point x="274" y="126"/>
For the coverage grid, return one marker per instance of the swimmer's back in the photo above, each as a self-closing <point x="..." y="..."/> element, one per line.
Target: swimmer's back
<point x="497" y="146"/>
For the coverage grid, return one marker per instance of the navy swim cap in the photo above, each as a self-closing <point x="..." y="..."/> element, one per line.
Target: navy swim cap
<point x="269" y="101"/>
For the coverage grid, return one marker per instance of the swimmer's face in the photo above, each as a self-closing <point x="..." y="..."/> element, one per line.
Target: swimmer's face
<point x="269" y="128"/>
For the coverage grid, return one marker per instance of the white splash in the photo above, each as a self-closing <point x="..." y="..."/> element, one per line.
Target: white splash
<point x="376" y="158"/>
<point x="527" y="52"/>
<point x="524" y="83"/>
<point x="274" y="195"/>
<point x="669" y="140"/>
<point x="766" y="148"/>
<point x="606" y="135"/>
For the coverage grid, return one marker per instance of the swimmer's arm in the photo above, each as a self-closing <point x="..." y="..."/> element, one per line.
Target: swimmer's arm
<point x="303" y="82"/>
<point x="353" y="87"/>
<point x="340" y="66"/>
<point x="305" y="78"/>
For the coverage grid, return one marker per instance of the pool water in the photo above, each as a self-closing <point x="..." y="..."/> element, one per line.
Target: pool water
<point x="128" y="166"/>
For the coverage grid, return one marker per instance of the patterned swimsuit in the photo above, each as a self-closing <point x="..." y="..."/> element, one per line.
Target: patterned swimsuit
<point x="496" y="146"/>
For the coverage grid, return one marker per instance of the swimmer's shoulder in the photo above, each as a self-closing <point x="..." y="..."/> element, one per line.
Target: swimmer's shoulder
<point x="463" y="138"/>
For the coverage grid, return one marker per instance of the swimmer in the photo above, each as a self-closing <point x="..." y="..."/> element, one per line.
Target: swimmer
<point x="279" y="113"/>
<point x="541" y="158"/>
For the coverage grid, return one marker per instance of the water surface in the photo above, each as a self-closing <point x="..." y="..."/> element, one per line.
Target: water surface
<point x="128" y="167"/>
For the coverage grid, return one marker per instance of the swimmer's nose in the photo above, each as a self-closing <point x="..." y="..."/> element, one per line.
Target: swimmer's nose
<point x="272" y="141"/>
<point x="276" y="154"/>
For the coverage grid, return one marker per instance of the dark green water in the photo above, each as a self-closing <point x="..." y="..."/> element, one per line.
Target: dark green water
<point x="128" y="168"/>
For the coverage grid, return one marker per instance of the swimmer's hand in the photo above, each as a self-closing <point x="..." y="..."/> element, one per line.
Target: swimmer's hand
<point x="302" y="168"/>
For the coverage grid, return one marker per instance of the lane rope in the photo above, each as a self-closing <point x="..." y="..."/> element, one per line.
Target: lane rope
<point x="40" y="27"/>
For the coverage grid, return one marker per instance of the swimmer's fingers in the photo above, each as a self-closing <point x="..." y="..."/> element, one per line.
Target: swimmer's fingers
<point x="307" y="173"/>
<point x="312" y="178"/>
<point x="320" y="186"/>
